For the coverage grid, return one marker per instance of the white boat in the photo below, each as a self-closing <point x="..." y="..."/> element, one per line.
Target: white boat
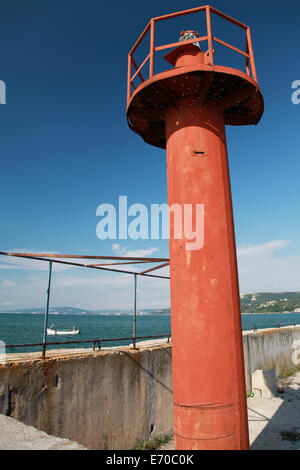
<point x="53" y="331"/>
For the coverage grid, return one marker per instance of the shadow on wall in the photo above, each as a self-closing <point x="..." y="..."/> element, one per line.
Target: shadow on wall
<point x="148" y="372"/>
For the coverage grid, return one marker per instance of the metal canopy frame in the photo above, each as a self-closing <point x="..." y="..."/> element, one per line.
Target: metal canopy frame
<point x="117" y="261"/>
<point x="56" y="258"/>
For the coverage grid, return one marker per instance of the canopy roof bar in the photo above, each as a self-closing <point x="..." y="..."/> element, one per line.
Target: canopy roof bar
<point x="156" y="267"/>
<point x="117" y="264"/>
<point x="55" y="255"/>
<point x="51" y="257"/>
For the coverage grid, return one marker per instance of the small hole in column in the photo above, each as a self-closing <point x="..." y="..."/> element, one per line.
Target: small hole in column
<point x="199" y="153"/>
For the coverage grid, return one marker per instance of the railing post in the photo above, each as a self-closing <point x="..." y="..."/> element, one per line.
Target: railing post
<point x="250" y="49"/>
<point x="248" y="71"/>
<point x="134" y="312"/>
<point x="209" y="35"/>
<point x="47" y="311"/>
<point x="152" y="34"/>
<point x="129" y="79"/>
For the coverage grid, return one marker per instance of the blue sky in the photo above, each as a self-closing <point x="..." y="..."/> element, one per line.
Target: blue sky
<point x="66" y="148"/>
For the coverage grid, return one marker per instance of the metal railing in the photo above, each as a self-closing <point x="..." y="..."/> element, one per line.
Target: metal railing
<point x="87" y="341"/>
<point x="248" y="53"/>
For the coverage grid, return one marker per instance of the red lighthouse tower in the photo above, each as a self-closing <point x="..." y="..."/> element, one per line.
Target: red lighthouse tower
<point x="184" y="110"/>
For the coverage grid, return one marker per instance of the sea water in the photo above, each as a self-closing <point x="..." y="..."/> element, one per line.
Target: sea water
<point x="28" y="328"/>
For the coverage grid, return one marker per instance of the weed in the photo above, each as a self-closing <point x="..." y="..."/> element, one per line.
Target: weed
<point x="151" y="445"/>
<point x="289" y="371"/>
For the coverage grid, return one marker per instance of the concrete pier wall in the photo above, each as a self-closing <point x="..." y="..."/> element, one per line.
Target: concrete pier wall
<point x="270" y="349"/>
<point x="111" y="399"/>
<point x="103" y="400"/>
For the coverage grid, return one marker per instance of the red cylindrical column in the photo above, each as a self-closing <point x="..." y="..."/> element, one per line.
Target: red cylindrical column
<point x="208" y="371"/>
<point x="185" y="109"/>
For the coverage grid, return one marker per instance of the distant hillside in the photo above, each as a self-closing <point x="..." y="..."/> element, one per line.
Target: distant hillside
<point x="266" y="302"/>
<point x="162" y="311"/>
<point x="53" y="311"/>
<point x="78" y="311"/>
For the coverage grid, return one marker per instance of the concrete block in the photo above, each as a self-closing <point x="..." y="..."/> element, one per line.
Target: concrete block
<point x="264" y="383"/>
